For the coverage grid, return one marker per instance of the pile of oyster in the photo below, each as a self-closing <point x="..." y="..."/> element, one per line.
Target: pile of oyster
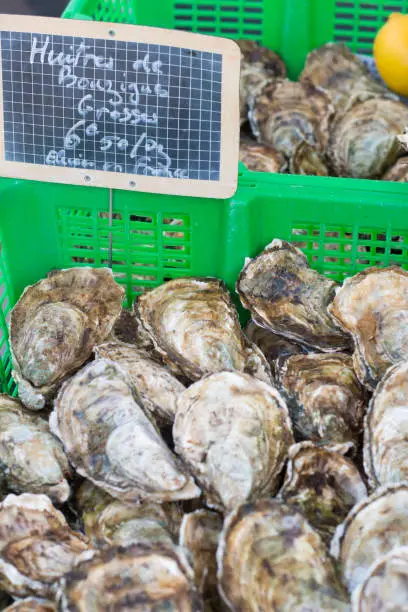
<point x="164" y="458"/>
<point x="337" y="120"/>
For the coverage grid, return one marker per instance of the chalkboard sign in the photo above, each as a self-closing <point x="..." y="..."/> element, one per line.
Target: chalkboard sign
<point x="118" y="106"/>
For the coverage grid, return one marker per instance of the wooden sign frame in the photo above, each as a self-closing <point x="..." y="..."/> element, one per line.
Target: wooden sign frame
<point x="224" y="188"/>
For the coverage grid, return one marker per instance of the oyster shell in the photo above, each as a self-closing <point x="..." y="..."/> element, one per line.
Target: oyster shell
<point x="386" y="587"/>
<point x="260" y="158"/>
<point x="199" y="535"/>
<point x="307" y="160"/>
<point x="337" y="70"/>
<point x="398" y="172"/>
<point x="155" y="385"/>
<point x="36" y="545"/>
<point x="138" y="578"/>
<point x="288" y="298"/>
<point x="233" y="431"/>
<point x="363" y="141"/>
<point x="32" y="604"/>
<point x="110" y="522"/>
<point x="275" y="348"/>
<point x="284" y="114"/>
<point x="386" y="429"/>
<point x="326" y="400"/>
<point x="109" y="439"/>
<point x="323" y="484"/>
<point x="373" y="528"/>
<point x="195" y="327"/>
<point x="373" y="307"/>
<point x="257" y="65"/>
<point x="55" y="325"/>
<point x="31" y="457"/>
<point x="270" y="558"/>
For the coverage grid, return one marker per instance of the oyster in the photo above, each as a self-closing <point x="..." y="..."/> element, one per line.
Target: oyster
<point x="55" y="325"/>
<point x="307" y="160"/>
<point x="270" y="558"/>
<point x="139" y="578"/>
<point x="155" y="385"/>
<point x="36" y="545"/>
<point x="258" y="64"/>
<point x="288" y="298"/>
<point x="363" y="141"/>
<point x="386" y="429"/>
<point x="373" y="307"/>
<point x="260" y="158"/>
<point x="373" y="528"/>
<point x="31" y="457"/>
<point x="326" y="400"/>
<point x="386" y="587"/>
<point x="323" y="484"/>
<point x="32" y="604"/>
<point x="233" y="431"/>
<point x="110" y="522"/>
<point x="195" y="327"/>
<point x="398" y="172"/>
<point x="337" y="70"/>
<point x="284" y="114"/>
<point x="109" y="439"/>
<point x="199" y="535"/>
<point x="275" y="348"/>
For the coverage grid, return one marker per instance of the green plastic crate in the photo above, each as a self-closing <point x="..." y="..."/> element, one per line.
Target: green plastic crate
<point x="45" y="226"/>
<point x="290" y="27"/>
<point x="343" y="225"/>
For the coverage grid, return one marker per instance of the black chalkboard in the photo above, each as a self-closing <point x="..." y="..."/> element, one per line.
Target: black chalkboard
<point x="96" y="104"/>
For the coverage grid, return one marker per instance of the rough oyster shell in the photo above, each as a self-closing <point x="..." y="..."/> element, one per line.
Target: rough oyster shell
<point x="288" y="298"/>
<point x="110" y="522"/>
<point x="260" y="158"/>
<point x="337" y="70"/>
<point x="258" y="64"/>
<point x="386" y="429"/>
<point x="323" y="484"/>
<point x="386" y="587"/>
<point x="155" y="385"/>
<point x="275" y="348"/>
<point x="194" y="326"/>
<point x="36" y="545"/>
<point x="326" y="401"/>
<point x="398" y="172"/>
<point x="373" y="307"/>
<point x="270" y="558"/>
<point x="373" y="528"/>
<point x="110" y="440"/>
<point x="307" y="160"/>
<point x="363" y="141"/>
<point x="31" y="457"/>
<point x="138" y="578"/>
<point x="233" y="431"/>
<point x="283" y="114"/>
<point x="199" y="535"/>
<point x="32" y="604"/>
<point x="55" y="325"/>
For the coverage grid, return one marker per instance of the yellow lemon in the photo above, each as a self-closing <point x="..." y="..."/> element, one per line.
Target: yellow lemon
<point x="391" y="53"/>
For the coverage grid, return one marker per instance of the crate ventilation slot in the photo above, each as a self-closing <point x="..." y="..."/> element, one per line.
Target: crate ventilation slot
<point x="147" y="247"/>
<point x="118" y="11"/>
<point x="229" y="19"/>
<point x="356" y="23"/>
<point x="339" y="251"/>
